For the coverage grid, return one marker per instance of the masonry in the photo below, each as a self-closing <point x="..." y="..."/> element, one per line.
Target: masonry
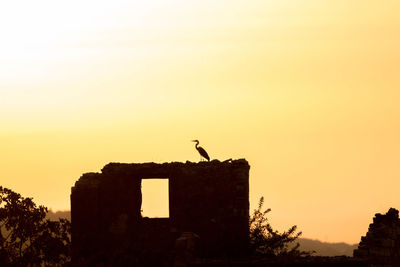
<point x="381" y="245"/>
<point x="209" y="199"/>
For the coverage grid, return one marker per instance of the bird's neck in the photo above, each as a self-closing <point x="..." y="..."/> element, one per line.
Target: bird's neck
<point x="197" y="143"/>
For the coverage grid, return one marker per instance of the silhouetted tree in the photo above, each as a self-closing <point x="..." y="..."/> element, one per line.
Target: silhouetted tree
<point x="268" y="242"/>
<point x="27" y="238"/>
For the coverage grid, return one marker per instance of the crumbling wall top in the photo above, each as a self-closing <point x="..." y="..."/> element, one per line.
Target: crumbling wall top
<point x="154" y="170"/>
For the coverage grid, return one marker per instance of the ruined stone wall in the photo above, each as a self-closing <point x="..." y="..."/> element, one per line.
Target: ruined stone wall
<point x="210" y="199"/>
<point x="381" y="245"/>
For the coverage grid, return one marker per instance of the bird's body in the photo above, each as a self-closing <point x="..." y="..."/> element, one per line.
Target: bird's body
<point x="201" y="150"/>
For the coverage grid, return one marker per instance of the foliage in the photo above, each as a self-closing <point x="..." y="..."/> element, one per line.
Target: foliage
<point x="268" y="242"/>
<point x="27" y="238"/>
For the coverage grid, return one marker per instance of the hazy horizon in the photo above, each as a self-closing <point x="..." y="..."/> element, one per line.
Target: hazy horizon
<point x="306" y="91"/>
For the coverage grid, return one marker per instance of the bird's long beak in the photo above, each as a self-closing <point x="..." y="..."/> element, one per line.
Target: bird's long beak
<point x="193" y="140"/>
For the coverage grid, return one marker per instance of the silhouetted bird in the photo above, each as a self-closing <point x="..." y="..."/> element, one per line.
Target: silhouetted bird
<point x="201" y="150"/>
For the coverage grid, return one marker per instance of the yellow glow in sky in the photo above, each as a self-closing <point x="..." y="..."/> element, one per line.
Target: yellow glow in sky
<point x="306" y="91"/>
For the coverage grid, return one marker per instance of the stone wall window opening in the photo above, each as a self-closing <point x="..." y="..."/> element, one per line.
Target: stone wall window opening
<point x="155" y="197"/>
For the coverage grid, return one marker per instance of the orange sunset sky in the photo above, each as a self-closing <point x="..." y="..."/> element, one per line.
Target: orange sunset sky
<point x="306" y="90"/>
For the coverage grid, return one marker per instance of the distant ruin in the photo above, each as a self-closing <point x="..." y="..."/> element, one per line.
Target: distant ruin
<point x="209" y="199"/>
<point x="381" y="245"/>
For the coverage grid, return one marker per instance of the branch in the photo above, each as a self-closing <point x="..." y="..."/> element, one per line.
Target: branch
<point x="8" y="236"/>
<point x="4" y="223"/>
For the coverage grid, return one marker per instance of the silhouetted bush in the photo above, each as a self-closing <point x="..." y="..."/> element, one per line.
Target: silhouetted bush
<point x="268" y="242"/>
<point x="27" y="238"/>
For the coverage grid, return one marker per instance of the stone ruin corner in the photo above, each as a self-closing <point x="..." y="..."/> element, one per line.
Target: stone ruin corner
<point x="381" y="244"/>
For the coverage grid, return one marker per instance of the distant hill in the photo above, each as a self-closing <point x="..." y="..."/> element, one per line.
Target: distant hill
<point x="321" y="248"/>
<point x="54" y="216"/>
<point x="326" y="249"/>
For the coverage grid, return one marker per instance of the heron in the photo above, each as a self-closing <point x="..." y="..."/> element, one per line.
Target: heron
<point x="201" y="150"/>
